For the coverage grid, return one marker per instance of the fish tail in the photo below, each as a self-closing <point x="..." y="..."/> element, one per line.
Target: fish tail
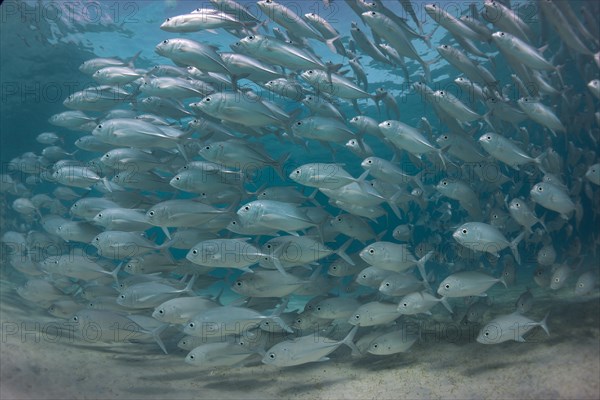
<point x="156" y="336"/>
<point x="421" y="264"/>
<point x="515" y="250"/>
<point x="115" y="272"/>
<point x="544" y="325"/>
<point x="279" y="164"/>
<point x="188" y="287"/>
<point x="329" y="43"/>
<point x="444" y="301"/>
<point x="392" y="203"/>
<point x="133" y="59"/>
<point x="348" y="340"/>
<point x="342" y="251"/>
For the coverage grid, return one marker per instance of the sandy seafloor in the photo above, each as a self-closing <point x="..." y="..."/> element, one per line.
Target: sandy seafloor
<point x="564" y="365"/>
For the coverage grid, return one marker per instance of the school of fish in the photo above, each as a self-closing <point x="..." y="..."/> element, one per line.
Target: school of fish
<point x="175" y="193"/>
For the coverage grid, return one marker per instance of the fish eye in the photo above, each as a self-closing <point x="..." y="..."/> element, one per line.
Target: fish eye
<point x="517" y="205"/>
<point x="447" y="286"/>
<point x="371" y="251"/>
<point x="247" y="208"/>
<point x="165" y="41"/>
<point x="99" y="215"/>
<point x="373" y="13"/>
<point x="272" y="356"/>
<point x="250" y="37"/>
<point x="580" y="285"/>
<point x="364" y="276"/>
<point x="387" y="284"/>
<point x="486" y="333"/>
<point x="168" y="19"/>
<point x="464" y="231"/>
<point x="297" y="172"/>
<point x="207" y="99"/>
<point x="177" y="178"/>
<point x="161" y="311"/>
<point x="540" y="189"/>
<point x="151" y="213"/>
<point x="501" y="33"/>
<point x="369" y="161"/>
<point x="238" y="283"/>
<point x="207" y="148"/>
<point x="488" y="137"/>
<point x="191" y="356"/>
<point x="191" y="324"/>
<point x="299" y="123"/>
<point x="557" y="280"/>
<point x="75" y="318"/>
<point x="357" y="316"/>
<point x="122" y="296"/>
<point x="318" y="308"/>
<point x="100" y="126"/>
<point x="233" y="223"/>
<point x="404" y="304"/>
<point x="442" y="92"/>
<point x="334" y="267"/>
<point x="388" y="124"/>
<point x="310" y="72"/>
<point x="194" y="251"/>
<point x="445" y="183"/>
<point x="97" y="239"/>
<point x="445" y="46"/>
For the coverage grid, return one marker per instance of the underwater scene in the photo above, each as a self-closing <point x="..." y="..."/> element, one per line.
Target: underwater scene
<point x="337" y="199"/>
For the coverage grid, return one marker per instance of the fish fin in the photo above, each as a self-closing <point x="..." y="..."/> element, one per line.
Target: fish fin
<point x="188" y="287"/>
<point x="133" y="59"/>
<point x="282" y="324"/>
<point x="280" y="163"/>
<point x="342" y="251"/>
<point x="502" y="281"/>
<point x="421" y="264"/>
<point x="115" y="272"/>
<point x="348" y="340"/>
<point x="543" y="324"/>
<point x="329" y="43"/>
<point x="515" y="250"/>
<point x="166" y="232"/>
<point x="156" y="335"/>
<point x="446" y="304"/>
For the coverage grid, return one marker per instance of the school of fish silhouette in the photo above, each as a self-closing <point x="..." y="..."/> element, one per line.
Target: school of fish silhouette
<point x="260" y="204"/>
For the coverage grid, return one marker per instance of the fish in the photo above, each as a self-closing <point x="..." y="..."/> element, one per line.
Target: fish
<point x="482" y="237"/>
<point x="524" y="302"/>
<point x="586" y="282"/>
<point x="304" y="350"/>
<point x="509" y="327"/>
<point x="467" y="283"/>
<point x="420" y="302"/>
<point x="391" y="343"/>
<point x="250" y="195"/>
<point x="553" y="198"/>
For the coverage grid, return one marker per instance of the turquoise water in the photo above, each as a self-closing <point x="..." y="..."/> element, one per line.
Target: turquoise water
<point x="43" y="44"/>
